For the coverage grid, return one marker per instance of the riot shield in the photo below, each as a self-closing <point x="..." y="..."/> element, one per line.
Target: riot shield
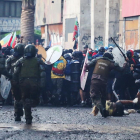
<point x="118" y="56"/>
<point x="53" y="54"/>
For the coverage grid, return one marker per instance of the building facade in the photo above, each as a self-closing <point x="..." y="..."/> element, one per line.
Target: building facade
<point x="130" y="24"/>
<point x="10" y="13"/>
<point x="98" y="22"/>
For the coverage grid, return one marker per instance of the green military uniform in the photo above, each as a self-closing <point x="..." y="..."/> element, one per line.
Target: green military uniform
<point x="3" y="70"/>
<point x="18" y="53"/>
<point x="31" y="75"/>
<point x="102" y="68"/>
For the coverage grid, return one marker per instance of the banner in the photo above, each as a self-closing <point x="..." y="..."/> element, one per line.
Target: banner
<point x="84" y="74"/>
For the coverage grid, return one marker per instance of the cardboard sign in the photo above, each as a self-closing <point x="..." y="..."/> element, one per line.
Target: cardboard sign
<point x="53" y="54"/>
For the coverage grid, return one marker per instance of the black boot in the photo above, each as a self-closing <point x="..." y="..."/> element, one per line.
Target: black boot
<point x="17" y="118"/>
<point x="103" y="112"/>
<point x="28" y="121"/>
<point x="18" y="110"/>
<point x="28" y="113"/>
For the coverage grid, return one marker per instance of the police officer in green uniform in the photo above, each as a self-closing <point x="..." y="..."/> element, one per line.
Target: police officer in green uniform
<point x="102" y="67"/>
<point x="18" y="53"/>
<point x="31" y="75"/>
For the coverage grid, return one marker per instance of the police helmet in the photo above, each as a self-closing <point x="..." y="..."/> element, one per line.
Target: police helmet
<point x="30" y="51"/>
<point x="108" y="55"/>
<point x="67" y="56"/>
<point x="102" y="49"/>
<point x="18" y="50"/>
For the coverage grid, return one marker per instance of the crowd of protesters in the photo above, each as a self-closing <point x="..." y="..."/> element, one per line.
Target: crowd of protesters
<point x="63" y="78"/>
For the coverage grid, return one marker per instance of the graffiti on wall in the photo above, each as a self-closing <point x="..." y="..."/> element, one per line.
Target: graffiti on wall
<point x="110" y="42"/>
<point x="99" y="42"/>
<point x="9" y="25"/>
<point x="86" y="39"/>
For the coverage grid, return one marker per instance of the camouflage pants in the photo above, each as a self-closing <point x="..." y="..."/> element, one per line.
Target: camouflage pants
<point x="30" y="95"/>
<point x="98" y="93"/>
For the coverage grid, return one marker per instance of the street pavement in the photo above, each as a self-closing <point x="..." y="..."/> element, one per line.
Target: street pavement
<point x="54" y="123"/>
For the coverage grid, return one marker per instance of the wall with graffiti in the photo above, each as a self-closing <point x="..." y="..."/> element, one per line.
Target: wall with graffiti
<point x="114" y="16"/>
<point x="85" y="23"/>
<point x="99" y="21"/>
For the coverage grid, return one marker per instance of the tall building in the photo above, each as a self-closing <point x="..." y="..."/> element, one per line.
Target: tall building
<point x="10" y="13"/>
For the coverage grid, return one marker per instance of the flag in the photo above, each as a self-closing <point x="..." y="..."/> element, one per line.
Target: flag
<point x="5" y="40"/>
<point x="76" y="30"/>
<point x="75" y="45"/>
<point x="13" y="43"/>
<point x="9" y="40"/>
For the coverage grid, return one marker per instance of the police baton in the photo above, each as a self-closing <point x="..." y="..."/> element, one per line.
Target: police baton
<point x="118" y="47"/>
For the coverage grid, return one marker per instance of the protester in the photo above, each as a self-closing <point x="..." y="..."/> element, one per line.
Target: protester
<point x="58" y="76"/>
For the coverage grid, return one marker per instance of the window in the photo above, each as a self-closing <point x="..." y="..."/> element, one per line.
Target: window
<point x="10" y="8"/>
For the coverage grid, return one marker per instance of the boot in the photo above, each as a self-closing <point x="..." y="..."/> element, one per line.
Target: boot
<point x="17" y="118"/>
<point x="18" y="110"/>
<point x="28" y="121"/>
<point x="103" y="112"/>
<point x="28" y="113"/>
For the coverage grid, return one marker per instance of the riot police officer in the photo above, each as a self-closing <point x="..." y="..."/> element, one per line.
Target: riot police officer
<point x="102" y="67"/>
<point x="18" y="53"/>
<point x="75" y="75"/>
<point x="31" y="75"/>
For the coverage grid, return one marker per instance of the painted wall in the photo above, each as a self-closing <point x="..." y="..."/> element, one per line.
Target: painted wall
<point x="85" y="23"/>
<point x="104" y="22"/>
<point x="99" y="23"/>
<point x="130" y="8"/>
<point x="114" y="15"/>
<point x="131" y="34"/>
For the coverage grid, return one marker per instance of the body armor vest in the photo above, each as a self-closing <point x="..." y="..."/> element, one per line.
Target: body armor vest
<point x="30" y="68"/>
<point x="102" y="67"/>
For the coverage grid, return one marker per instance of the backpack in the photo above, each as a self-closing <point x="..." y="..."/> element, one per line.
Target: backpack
<point x="68" y="68"/>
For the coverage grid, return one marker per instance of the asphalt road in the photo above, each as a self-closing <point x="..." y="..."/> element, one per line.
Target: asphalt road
<point x="51" y="123"/>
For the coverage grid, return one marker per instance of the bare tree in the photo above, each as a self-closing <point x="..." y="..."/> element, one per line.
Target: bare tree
<point x="27" y="20"/>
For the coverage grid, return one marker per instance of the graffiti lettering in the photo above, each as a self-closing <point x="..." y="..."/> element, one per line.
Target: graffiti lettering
<point x="115" y="38"/>
<point x="10" y="25"/>
<point x="86" y="39"/>
<point x="98" y="41"/>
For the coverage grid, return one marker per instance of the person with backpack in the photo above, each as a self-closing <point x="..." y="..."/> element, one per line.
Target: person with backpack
<point x="57" y="76"/>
